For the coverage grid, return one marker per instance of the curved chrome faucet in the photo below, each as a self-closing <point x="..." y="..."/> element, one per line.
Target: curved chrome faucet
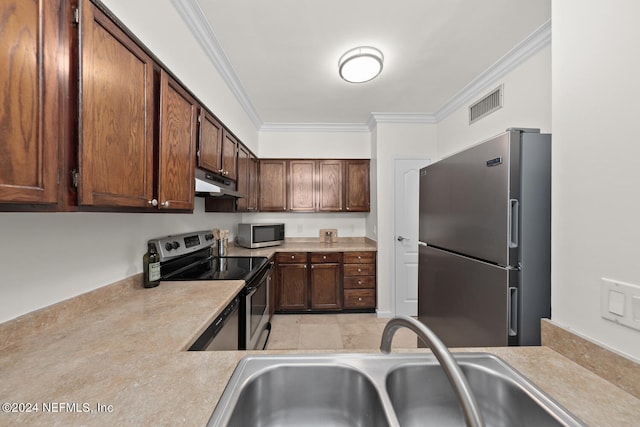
<point x="472" y="414"/>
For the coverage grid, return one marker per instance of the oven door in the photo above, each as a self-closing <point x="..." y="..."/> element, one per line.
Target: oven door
<point x="256" y="313"/>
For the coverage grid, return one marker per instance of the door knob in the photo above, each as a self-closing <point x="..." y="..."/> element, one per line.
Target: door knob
<point x="400" y="238"/>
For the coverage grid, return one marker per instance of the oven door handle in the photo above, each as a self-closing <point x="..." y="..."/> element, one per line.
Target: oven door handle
<point x="263" y="275"/>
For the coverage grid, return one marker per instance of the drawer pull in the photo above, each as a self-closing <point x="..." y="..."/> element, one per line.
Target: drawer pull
<point x="293" y="257"/>
<point x="324" y="257"/>
<point x="359" y="270"/>
<point x="359" y="282"/>
<point x="359" y="257"/>
<point x="359" y="298"/>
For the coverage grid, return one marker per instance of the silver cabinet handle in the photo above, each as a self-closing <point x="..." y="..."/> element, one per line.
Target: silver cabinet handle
<point x="165" y="204"/>
<point x="422" y="244"/>
<point x="400" y="238"/>
<point x="153" y="202"/>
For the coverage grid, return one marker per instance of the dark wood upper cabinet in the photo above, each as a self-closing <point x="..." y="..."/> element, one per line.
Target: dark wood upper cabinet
<point x="210" y="143"/>
<point x="30" y="121"/>
<point x="116" y="124"/>
<point x="273" y="185"/>
<point x="314" y="185"/>
<point x="330" y="185"/>
<point x="244" y="170"/>
<point x="229" y="155"/>
<point x="178" y="131"/>
<point x="254" y="188"/>
<point x="357" y="198"/>
<point x="302" y="186"/>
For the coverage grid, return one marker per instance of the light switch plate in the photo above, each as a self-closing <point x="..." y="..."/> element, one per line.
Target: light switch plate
<point x="620" y="302"/>
<point x="616" y="303"/>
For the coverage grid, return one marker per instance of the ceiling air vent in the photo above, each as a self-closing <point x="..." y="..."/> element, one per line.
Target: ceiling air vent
<point x="486" y="105"/>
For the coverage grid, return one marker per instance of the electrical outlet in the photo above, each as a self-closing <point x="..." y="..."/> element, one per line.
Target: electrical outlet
<point x="620" y="302"/>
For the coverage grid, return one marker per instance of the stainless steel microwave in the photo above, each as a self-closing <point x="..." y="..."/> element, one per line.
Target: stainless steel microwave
<point x="260" y="235"/>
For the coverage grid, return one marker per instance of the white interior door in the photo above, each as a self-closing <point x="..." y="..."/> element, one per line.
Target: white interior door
<point x="407" y="184"/>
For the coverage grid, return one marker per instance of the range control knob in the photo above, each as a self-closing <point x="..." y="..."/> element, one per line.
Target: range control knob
<point x="209" y="236"/>
<point x="176" y="245"/>
<point x="168" y="246"/>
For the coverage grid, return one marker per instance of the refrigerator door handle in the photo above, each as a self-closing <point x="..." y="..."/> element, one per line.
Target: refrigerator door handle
<point x="513" y="311"/>
<point x="421" y="243"/>
<point x="514" y="225"/>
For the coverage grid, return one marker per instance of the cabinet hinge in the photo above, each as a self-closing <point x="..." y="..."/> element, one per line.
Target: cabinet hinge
<point x="75" y="176"/>
<point x="76" y="17"/>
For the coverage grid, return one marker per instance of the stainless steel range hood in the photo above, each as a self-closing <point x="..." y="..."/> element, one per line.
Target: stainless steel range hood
<point x="207" y="184"/>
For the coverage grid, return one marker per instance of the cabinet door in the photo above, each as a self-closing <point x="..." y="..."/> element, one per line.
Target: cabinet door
<point x="178" y="119"/>
<point x="210" y="143"/>
<point x="326" y="286"/>
<point x="273" y="186"/>
<point x="292" y="287"/>
<point x="330" y="185"/>
<point x="302" y="185"/>
<point x="29" y="110"/>
<point x="243" y="178"/>
<point x="357" y="186"/>
<point x="116" y="115"/>
<point x="253" y="184"/>
<point x="229" y="156"/>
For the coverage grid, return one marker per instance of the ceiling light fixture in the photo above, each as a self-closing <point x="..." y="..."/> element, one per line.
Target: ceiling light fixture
<point x="360" y="64"/>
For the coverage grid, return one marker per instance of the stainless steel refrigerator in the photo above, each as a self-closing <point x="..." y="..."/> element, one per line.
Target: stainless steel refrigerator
<point x="484" y="276"/>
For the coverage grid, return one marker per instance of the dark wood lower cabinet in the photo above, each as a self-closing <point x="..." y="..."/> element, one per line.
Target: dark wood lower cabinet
<point x="324" y="282"/>
<point x="292" y="287"/>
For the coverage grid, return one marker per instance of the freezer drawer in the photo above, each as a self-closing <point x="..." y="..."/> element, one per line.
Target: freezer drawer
<point x="466" y="302"/>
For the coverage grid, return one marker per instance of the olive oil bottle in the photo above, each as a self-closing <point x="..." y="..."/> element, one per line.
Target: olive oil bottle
<point x="151" y="263"/>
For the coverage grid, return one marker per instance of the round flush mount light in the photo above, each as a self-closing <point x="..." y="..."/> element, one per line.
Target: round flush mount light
<point x="360" y="64"/>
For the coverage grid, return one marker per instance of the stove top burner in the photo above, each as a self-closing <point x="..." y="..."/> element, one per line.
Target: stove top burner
<point x="189" y="256"/>
<point x="223" y="268"/>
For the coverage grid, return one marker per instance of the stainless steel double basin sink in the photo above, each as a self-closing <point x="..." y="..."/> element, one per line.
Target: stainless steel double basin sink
<point x="379" y="390"/>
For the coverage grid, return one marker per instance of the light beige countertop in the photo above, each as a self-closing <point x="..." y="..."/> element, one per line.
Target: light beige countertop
<point x="344" y="244"/>
<point x="116" y="357"/>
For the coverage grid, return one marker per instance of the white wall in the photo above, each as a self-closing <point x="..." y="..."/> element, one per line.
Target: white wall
<point x="527" y="103"/>
<point x="347" y="145"/>
<point x="392" y="141"/>
<point x="49" y="257"/>
<point x="596" y="208"/>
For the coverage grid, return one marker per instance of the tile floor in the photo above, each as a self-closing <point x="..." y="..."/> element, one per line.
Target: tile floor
<point x="354" y="331"/>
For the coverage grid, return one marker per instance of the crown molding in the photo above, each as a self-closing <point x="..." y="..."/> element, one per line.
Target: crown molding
<point x="535" y="42"/>
<point x="314" y="127"/>
<point x="195" y="19"/>
<point x="416" y="118"/>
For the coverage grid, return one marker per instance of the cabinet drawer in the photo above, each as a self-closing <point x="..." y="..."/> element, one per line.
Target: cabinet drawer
<point x="292" y="257"/>
<point x="359" y="298"/>
<point x="359" y="257"/>
<point x="360" y="282"/>
<point x="359" y="269"/>
<point x="326" y="257"/>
